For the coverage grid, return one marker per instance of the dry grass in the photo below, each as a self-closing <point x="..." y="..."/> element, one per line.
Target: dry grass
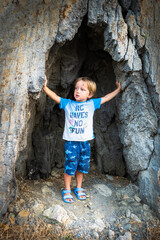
<point x="47" y="232"/>
<point x="41" y="231"/>
<point x="153" y="233"/>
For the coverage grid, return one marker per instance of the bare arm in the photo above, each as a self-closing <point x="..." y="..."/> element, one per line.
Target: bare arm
<point x="50" y="93"/>
<point x="111" y="95"/>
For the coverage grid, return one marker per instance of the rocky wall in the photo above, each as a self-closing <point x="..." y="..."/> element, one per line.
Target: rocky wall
<point x="106" y="40"/>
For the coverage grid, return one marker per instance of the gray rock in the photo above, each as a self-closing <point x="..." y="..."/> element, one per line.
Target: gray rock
<point x="109" y="177"/>
<point x="149" y="178"/>
<point x="127" y="227"/>
<point x="135" y="218"/>
<point x="134" y="143"/>
<point x="137" y="198"/>
<point x="125" y="4"/>
<point x="135" y="30"/>
<point x="59" y="214"/>
<point x="47" y="191"/>
<point x="116" y="40"/>
<point x="128" y="213"/>
<point x="98" y="224"/>
<point x="95" y="235"/>
<point x="111" y="235"/>
<point x="127" y="236"/>
<point x="38" y="208"/>
<point x="71" y="18"/>
<point x="103" y="190"/>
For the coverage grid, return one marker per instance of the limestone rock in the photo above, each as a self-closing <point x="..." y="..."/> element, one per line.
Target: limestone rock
<point x="116" y="40"/>
<point x="125" y="4"/>
<point x="59" y="214"/>
<point x="103" y="190"/>
<point x="127" y="236"/>
<point x="71" y="16"/>
<point x="38" y="208"/>
<point x="111" y="235"/>
<point x="22" y="217"/>
<point x="135" y="30"/>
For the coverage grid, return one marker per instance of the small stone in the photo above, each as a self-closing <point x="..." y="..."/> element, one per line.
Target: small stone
<point x="23" y="213"/>
<point x="146" y="207"/>
<point x="125" y="221"/>
<point x="47" y="190"/>
<point x="21" y="201"/>
<point x="135" y="218"/>
<point x="123" y="203"/>
<point x="49" y="184"/>
<point x="55" y="173"/>
<point x="97" y="224"/>
<point x="137" y="198"/>
<point x="111" y="235"/>
<point x="119" y="195"/>
<point x="57" y="229"/>
<point x="38" y="208"/>
<point x="125" y="197"/>
<point x="109" y="177"/>
<point x="95" y="235"/>
<point x="89" y="207"/>
<point x="128" y="213"/>
<point x="127" y="227"/>
<point x="22" y="217"/>
<point x="127" y="236"/>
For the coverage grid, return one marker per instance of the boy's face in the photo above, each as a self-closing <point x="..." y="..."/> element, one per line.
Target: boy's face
<point x="81" y="92"/>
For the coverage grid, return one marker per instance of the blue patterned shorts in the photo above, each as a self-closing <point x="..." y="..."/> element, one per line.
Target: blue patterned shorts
<point x="77" y="157"/>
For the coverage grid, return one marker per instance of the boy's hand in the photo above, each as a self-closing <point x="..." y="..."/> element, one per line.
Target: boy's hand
<point x="45" y="84"/>
<point x="118" y="84"/>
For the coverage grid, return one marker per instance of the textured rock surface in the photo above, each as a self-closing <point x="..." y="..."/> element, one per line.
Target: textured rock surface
<point x="118" y="40"/>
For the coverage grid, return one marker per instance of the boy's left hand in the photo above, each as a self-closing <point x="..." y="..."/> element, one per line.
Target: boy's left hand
<point x="118" y="84"/>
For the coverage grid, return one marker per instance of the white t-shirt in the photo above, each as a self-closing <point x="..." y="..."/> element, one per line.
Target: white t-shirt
<point x="79" y="119"/>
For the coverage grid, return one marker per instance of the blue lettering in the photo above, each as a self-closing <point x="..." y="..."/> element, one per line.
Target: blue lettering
<point x="76" y="123"/>
<point x="80" y="123"/>
<point x="86" y="114"/>
<point x="79" y="108"/>
<point x="78" y="114"/>
<point x="77" y="130"/>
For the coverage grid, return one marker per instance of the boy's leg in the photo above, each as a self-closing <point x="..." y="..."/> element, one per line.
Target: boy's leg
<point x="67" y="183"/>
<point x="79" y="179"/>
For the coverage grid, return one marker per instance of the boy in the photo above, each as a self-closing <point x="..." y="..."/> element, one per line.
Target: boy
<point x="78" y="131"/>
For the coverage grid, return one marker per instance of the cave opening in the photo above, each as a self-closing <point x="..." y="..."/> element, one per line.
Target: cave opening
<point x="82" y="56"/>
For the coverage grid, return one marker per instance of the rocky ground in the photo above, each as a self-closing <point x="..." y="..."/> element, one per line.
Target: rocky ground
<point x="113" y="209"/>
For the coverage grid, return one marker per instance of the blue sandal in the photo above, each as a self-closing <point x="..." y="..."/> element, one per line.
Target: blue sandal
<point x="79" y="194"/>
<point x="67" y="196"/>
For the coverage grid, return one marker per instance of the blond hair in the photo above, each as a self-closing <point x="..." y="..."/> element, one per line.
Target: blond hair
<point x="90" y="84"/>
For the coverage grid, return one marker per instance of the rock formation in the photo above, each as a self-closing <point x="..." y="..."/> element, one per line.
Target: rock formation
<point x="106" y="40"/>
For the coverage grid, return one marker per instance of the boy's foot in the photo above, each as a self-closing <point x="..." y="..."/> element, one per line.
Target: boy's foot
<point x="67" y="197"/>
<point x="80" y="193"/>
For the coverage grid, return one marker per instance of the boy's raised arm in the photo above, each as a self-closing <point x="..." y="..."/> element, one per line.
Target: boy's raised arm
<point x="111" y="95"/>
<point x="50" y="93"/>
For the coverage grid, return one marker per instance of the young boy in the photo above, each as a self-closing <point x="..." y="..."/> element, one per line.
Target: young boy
<point x="78" y="131"/>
